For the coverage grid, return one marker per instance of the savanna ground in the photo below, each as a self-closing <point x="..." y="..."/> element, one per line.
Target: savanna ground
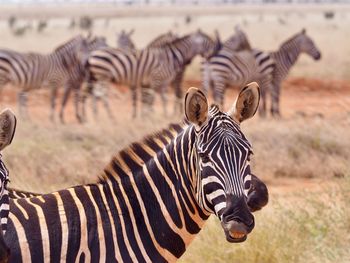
<point x="303" y="157"/>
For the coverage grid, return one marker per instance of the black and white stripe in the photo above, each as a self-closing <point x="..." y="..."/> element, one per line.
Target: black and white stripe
<point x="236" y="64"/>
<point x="4" y="195"/>
<point x="285" y="57"/>
<point x="148" y="203"/>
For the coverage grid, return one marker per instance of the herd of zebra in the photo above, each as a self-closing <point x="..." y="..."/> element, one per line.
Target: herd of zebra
<point x="87" y="66"/>
<point x="154" y="196"/>
<point x="150" y="201"/>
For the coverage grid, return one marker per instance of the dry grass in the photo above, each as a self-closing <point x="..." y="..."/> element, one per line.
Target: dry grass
<point x="305" y="227"/>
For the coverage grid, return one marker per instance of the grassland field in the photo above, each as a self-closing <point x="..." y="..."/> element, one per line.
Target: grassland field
<point x="303" y="156"/>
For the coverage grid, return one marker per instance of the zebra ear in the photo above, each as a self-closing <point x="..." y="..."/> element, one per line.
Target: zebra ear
<point x="131" y="31"/>
<point x="246" y="103"/>
<point x="303" y="31"/>
<point x="8" y="123"/>
<point x="196" y="107"/>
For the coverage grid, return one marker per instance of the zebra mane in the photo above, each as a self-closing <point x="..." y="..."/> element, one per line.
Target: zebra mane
<point x="69" y="42"/>
<point x="289" y="40"/>
<point x="145" y="149"/>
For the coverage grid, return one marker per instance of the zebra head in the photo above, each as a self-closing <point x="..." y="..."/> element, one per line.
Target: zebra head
<point x="203" y="44"/>
<point x="307" y="45"/>
<point x="223" y="159"/>
<point x="124" y="40"/>
<point x="239" y="41"/>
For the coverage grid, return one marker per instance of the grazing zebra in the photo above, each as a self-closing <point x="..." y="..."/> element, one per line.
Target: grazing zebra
<point x="236" y="63"/>
<point x="29" y="71"/>
<point x="7" y="132"/>
<point x="285" y="57"/>
<point x="151" y="69"/>
<point x="153" y="197"/>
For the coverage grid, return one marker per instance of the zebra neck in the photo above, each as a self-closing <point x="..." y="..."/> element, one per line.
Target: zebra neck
<point x="289" y="53"/>
<point x="156" y="197"/>
<point x="182" y="51"/>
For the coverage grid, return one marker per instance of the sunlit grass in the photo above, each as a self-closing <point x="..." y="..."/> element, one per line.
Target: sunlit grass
<point x="303" y="227"/>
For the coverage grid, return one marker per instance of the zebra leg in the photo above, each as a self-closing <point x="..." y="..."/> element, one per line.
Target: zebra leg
<point x="22" y="105"/>
<point x="218" y="93"/>
<point x="134" y="101"/>
<point x="275" y="95"/>
<point x="108" y="109"/>
<point x="147" y="99"/>
<point x="66" y="94"/>
<point x="95" y="100"/>
<point x="176" y="85"/>
<point x="53" y="102"/>
<point x="164" y="97"/>
<point x="77" y="99"/>
<point x="264" y="86"/>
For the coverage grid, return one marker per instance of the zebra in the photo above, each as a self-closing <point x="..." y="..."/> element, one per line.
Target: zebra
<point x="124" y="40"/>
<point x="7" y="131"/>
<point x="285" y="57"/>
<point x="29" y="71"/>
<point x="236" y="63"/>
<point x="277" y="62"/>
<point x="152" y="198"/>
<point x="78" y="77"/>
<point x="150" y="68"/>
<point x="174" y="57"/>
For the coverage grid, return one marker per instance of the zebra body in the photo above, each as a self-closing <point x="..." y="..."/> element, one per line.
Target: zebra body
<point x="29" y="71"/>
<point x="152" y="198"/>
<point x="285" y="57"/>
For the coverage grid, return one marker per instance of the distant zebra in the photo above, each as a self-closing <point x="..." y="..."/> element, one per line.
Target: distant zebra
<point x="279" y="61"/>
<point x="124" y="40"/>
<point x="153" y="197"/>
<point x="285" y="57"/>
<point x="151" y="69"/>
<point x="236" y="63"/>
<point x="159" y="42"/>
<point x="7" y="131"/>
<point x="29" y="71"/>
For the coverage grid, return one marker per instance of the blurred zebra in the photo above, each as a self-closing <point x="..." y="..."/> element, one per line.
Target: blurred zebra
<point x="78" y="76"/>
<point x="285" y="57"/>
<point x="224" y="63"/>
<point x="279" y="61"/>
<point x="152" y="69"/>
<point x="228" y="67"/>
<point x="153" y="197"/>
<point x="124" y="40"/>
<point x="29" y="71"/>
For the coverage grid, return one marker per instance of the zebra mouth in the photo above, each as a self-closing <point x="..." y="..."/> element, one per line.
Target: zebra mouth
<point x="235" y="237"/>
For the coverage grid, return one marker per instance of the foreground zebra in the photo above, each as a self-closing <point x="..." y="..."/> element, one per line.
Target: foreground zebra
<point x="7" y="131"/>
<point x="153" y="198"/>
<point x="285" y="57"/>
<point x="29" y="71"/>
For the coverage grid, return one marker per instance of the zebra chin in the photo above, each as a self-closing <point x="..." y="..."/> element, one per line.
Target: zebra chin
<point x="236" y="220"/>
